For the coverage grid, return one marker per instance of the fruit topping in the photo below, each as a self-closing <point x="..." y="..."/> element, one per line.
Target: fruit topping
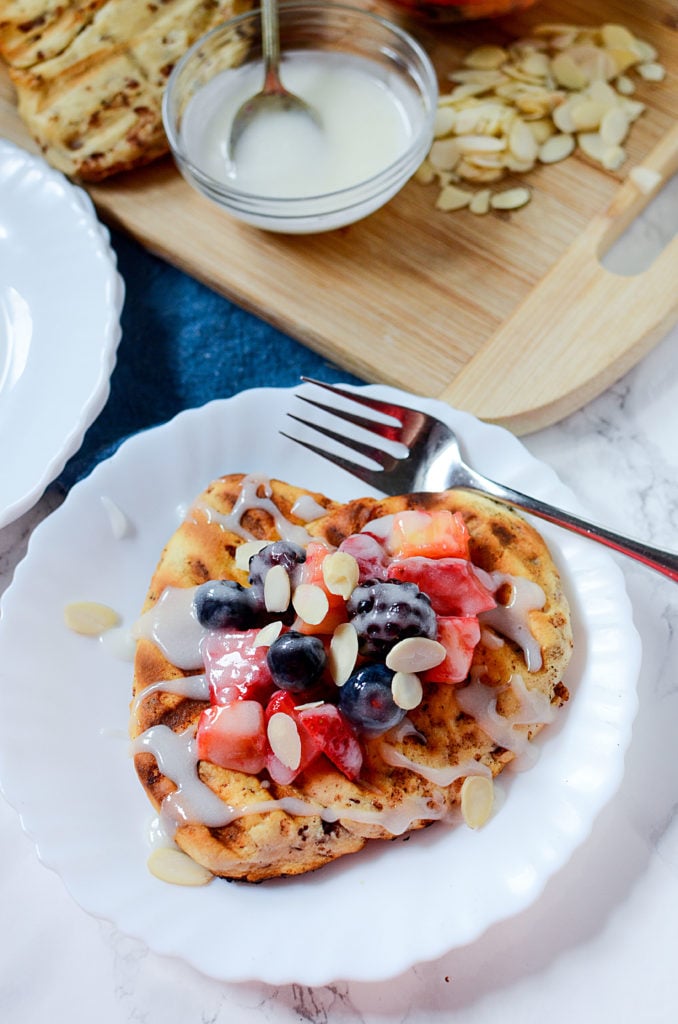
<point x="367" y="701"/>
<point x="385" y="612"/>
<point x="236" y="667"/>
<point x="296" y="661"/>
<point x="233" y="736"/>
<point x="369" y="554"/>
<point x="459" y="635"/>
<point x="437" y="534"/>
<point x="308" y="597"/>
<point x="335" y="737"/>
<point x="451" y="583"/>
<point x="225" y="604"/>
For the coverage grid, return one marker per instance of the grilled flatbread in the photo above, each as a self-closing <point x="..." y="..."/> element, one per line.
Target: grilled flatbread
<point x="413" y="774"/>
<point x="90" y="74"/>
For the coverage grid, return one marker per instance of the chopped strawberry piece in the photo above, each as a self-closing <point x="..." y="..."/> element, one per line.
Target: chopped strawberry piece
<point x="282" y="702"/>
<point x="451" y="583"/>
<point x="436" y="534"/>
<point x="236" y="669"/>
<point x="233" y="736"/>
<point x="312" y="572"/>
<point x="368" y="553"/>
<point x="459" y="635"/>
<point x="335" y="737"/>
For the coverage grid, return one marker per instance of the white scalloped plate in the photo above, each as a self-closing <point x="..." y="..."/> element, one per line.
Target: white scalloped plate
<point x="64" y="759"/>
<point x="60" y="303"/>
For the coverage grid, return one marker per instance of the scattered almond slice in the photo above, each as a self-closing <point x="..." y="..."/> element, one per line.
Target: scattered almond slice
<point x="177" y="868"/>
<point x="645" y="179"/>
<point x="310" y="603"/>
<point x="277" y="589"/>
<point x="89" y="618"/>
<point x="508" y="102"/>
<point x="283" y="736"/>
<point x="340" y="573"/>
<point x="415" y="654"/>
<point x="477" y="800"/>
<point x="343" y="652"/>
<point x="244" y="552"/>
<point x="268" y="633"/>
<point x="406" y="690"/>
<point x="511" y="199"/>
<point x="480" y="204"/>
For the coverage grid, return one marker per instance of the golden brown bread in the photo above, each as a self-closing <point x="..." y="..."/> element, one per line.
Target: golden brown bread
<point x="90" y="74"/>
<point x="388" y="797"/>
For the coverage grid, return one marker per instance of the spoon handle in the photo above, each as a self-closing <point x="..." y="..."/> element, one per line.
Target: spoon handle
<point x="665" y="562"/>
<point x="270" y="33"/>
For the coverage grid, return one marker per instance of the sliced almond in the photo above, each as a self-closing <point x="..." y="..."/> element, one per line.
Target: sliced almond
<point x="415" y="654"/>
<point x="542" y="129"/>
<point x="343" y="652"/>
<point x="558" y="147"/>
<point x="485" y="58"/>
<point x="563" y="118"/>
<point x="645" y="179"/>
<point x="477" y="800"/>
<point x="480" y="144"/>
<point x="268" y="633"/>
<point x="617" y="36"/>
<point x="406" y="690"/>
<point x="453" y="198"/>
<point x="444" y="121"/>
<point x="177" y="868"/>
<point x="277" y="589"/>
<point x="567" y="72"/>
<point x="340" y="573"/>
<point x="591" y="144"/>
<point x="310" y="603"/>
<point x="480" y="204"/>
<point x="614" y="126"/>
<point x="625" y="85"/>
<point x="510" y="199"/>
<point x="284" y="739"/>
<point x="425" y="174"/>
<point x="613" y="157"/>
<point x="521" y="141"/>
<point x="652" y="72"/>
<point x="244" y="552"/>
<point x="587" y="114"/>
<point x="444" y="154"/>
<point x="89" y="618"/>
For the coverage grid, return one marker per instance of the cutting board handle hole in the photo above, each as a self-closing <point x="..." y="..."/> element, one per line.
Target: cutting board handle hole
<point x="637" y="248"/>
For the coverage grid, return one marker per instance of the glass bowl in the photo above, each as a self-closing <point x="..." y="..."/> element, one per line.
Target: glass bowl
<point x="197" y="121"/>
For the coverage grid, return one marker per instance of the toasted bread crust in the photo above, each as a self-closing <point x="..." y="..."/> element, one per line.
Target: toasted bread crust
<point x="90" y="74"/>
<point x="386" y="796"/>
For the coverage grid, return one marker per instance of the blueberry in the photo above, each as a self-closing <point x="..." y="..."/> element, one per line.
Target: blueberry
<point x="366" y="700"/>
<point x="225" y="604"/>
<point x="296" y="661"/>
<point x="384" y="612"/>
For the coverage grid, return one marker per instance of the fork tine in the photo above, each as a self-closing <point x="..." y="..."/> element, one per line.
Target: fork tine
<point x="390" y="432"/>
<point x="386" y="408"/>
<point x="368" y="476"/>
<point x="376" y="454"/>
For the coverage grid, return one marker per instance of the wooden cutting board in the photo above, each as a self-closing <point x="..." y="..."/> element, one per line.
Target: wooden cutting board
<point x="510" y="316"/>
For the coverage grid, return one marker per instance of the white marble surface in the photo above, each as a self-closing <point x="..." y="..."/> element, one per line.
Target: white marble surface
<point x="598" y="947"/>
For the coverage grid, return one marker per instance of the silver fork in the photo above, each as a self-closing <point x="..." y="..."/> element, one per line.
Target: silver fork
<point x="434" y="463"/>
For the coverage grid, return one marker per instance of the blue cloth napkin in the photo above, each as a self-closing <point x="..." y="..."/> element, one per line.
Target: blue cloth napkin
<point x="183" y="345"/>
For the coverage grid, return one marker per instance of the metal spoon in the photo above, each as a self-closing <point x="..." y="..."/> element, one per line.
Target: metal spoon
<point x="274" y="96"/>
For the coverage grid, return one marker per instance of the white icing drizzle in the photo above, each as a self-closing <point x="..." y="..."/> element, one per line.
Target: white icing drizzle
<point x="480" y="701"/>
<point x="307" y="508"/>
<point x="512" y="619"/>
<point x="192" y="800"/>
<point x="438" y="776"/>
<point x="247" y="499"/>
<point x="193" y="687"/>
<point x="172" y="625"/>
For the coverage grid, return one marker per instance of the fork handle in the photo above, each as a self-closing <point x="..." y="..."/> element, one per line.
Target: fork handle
<point x="665" y="562"/>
